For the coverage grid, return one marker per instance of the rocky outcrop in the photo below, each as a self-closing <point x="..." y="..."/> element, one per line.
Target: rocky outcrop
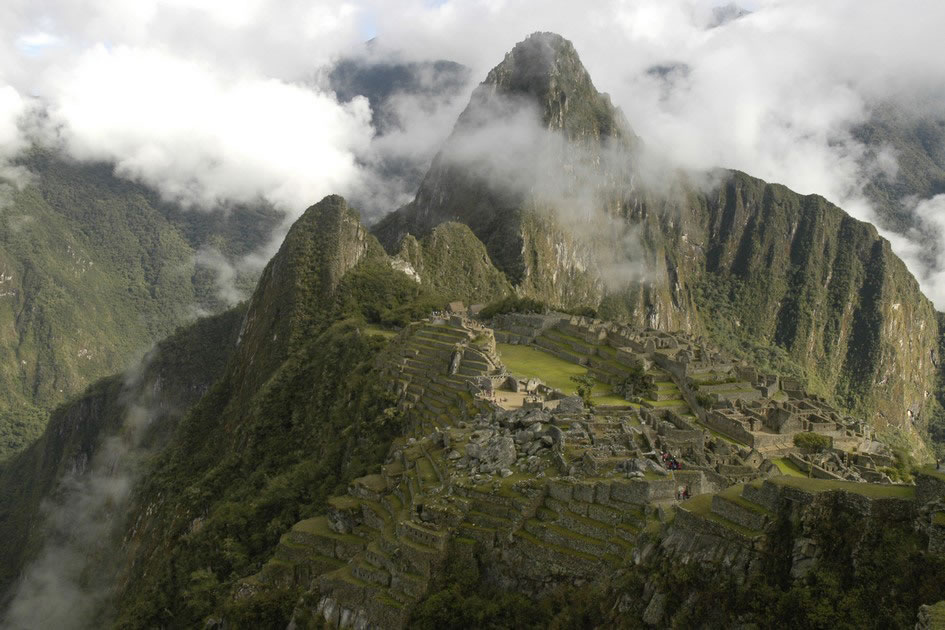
<point x="296" y="286"/>
<point x="454" y="263"/>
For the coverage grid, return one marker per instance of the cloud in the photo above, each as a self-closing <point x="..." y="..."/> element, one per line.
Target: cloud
<point x="778" y="93"/>
<point x="203" y="140"/>
<point x="926" y="262"/>
<point x="208" y="102"/>
<point x="220" y="101"/>
<point x="12" y="108"/>
<point x="226" y="275"/>
<point x="70" y="578"/>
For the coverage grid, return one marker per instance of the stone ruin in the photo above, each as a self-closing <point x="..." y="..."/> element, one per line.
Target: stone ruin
<point x="548" y="488"/>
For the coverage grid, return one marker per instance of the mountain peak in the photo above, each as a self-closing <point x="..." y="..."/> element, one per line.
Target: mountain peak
<point x="546" y="67"/>
<point x="501" y="158"/>
<point x="535" y="61"/>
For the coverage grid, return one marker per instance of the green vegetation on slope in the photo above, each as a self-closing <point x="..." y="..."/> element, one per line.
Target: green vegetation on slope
<point x="870" y="572"/>
<point x="94" y="270"/>
<point x="453" y="262"/>
<point x="461" y="598"/>
<point x="267" y="446"/>
<point x="172" y="377"/>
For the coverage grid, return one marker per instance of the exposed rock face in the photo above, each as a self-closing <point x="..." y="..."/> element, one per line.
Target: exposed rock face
<point x="536" y="122"/>
<point x="494" y="453"/>
<point x="824" y="286"/>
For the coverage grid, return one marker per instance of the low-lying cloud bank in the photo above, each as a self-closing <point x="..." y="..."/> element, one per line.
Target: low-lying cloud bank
<point x="213" y="103"/>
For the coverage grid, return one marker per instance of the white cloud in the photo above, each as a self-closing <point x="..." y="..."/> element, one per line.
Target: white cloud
<point x="776" y="94"/>
<point x="207" y="101"/>
<point x="202" y="139"/>
<point x="211" y="100"/>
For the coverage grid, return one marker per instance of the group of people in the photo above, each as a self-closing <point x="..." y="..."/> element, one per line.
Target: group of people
<point x="682" y="493"/>
<point x="670" y="462"/>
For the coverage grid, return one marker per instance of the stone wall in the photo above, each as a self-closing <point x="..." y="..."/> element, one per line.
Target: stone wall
<point x="731" y="428"/>
<point x="816" y="471"/>
<point x="929" y="486"/>
<point x="739" y="515"/>
<point x="766" y="495"/>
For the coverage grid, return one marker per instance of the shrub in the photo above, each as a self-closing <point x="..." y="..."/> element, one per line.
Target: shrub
<point x="813" y="442"/>
<point x="513" y="304"/>
<point x="585" y="387"/>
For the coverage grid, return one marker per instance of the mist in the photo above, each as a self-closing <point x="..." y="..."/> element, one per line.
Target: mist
<point x="214" y="103"/>
<point x="68" y="583"/>
<point x="779" y="93"/>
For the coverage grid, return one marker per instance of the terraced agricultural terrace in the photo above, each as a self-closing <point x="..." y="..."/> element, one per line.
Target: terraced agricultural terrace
<point x="503" y="461"/>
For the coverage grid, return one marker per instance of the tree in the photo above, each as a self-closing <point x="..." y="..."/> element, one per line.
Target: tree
<point x="813" y="442"/>
<point x="636" y="384"/>
<point x="585" y="387"/>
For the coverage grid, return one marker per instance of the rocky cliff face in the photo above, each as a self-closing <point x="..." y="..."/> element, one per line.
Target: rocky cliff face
<point x="787" y="552"/>
<point x="802" y="274"/>
<point x="575" y="213"/>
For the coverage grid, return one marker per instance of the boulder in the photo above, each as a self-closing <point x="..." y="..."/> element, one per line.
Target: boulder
<point x="495" y="454"/>
<point x="571" y="404"/>
<point x="653" y="615"/>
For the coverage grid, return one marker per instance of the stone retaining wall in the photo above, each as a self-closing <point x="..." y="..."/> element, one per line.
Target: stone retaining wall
<point x="929" y="486"/>
<point x="767" y="495"/>
<point x="738" y="514"/>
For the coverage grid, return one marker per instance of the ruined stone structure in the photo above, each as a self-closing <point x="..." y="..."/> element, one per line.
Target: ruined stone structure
<point x="550" y="489"/>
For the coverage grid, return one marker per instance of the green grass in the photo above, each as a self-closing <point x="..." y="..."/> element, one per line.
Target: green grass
<point x="427" y="474"/>
<point x="318" y="526"/>
<point x="734" y="494"/>
<point x="931" y="472"/>
<point x="700" y="504"/>
<point x="377" y="330"/>
<point x="343" y="502"/>
<point x="529" y="362"/>
<point x="788" y="468"/>
<point x="374" y="482"/>
<point x="937" y="614"/>
<point x="666" y="403"/>
<point x="871" y="490"/>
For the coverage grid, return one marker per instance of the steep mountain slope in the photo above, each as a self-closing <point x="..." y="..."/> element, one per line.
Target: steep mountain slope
<point x="597" y="221"/>
<point x="299" y="410"/>
<point x="265" y="412"/>
<point x="477" y="177"/>
<point x="918" y="145"/>
<point x="59" y="497"/>
<point x="453" y="262"/>
<point x="94" y="270"/>
<point x="298" y="407"/>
